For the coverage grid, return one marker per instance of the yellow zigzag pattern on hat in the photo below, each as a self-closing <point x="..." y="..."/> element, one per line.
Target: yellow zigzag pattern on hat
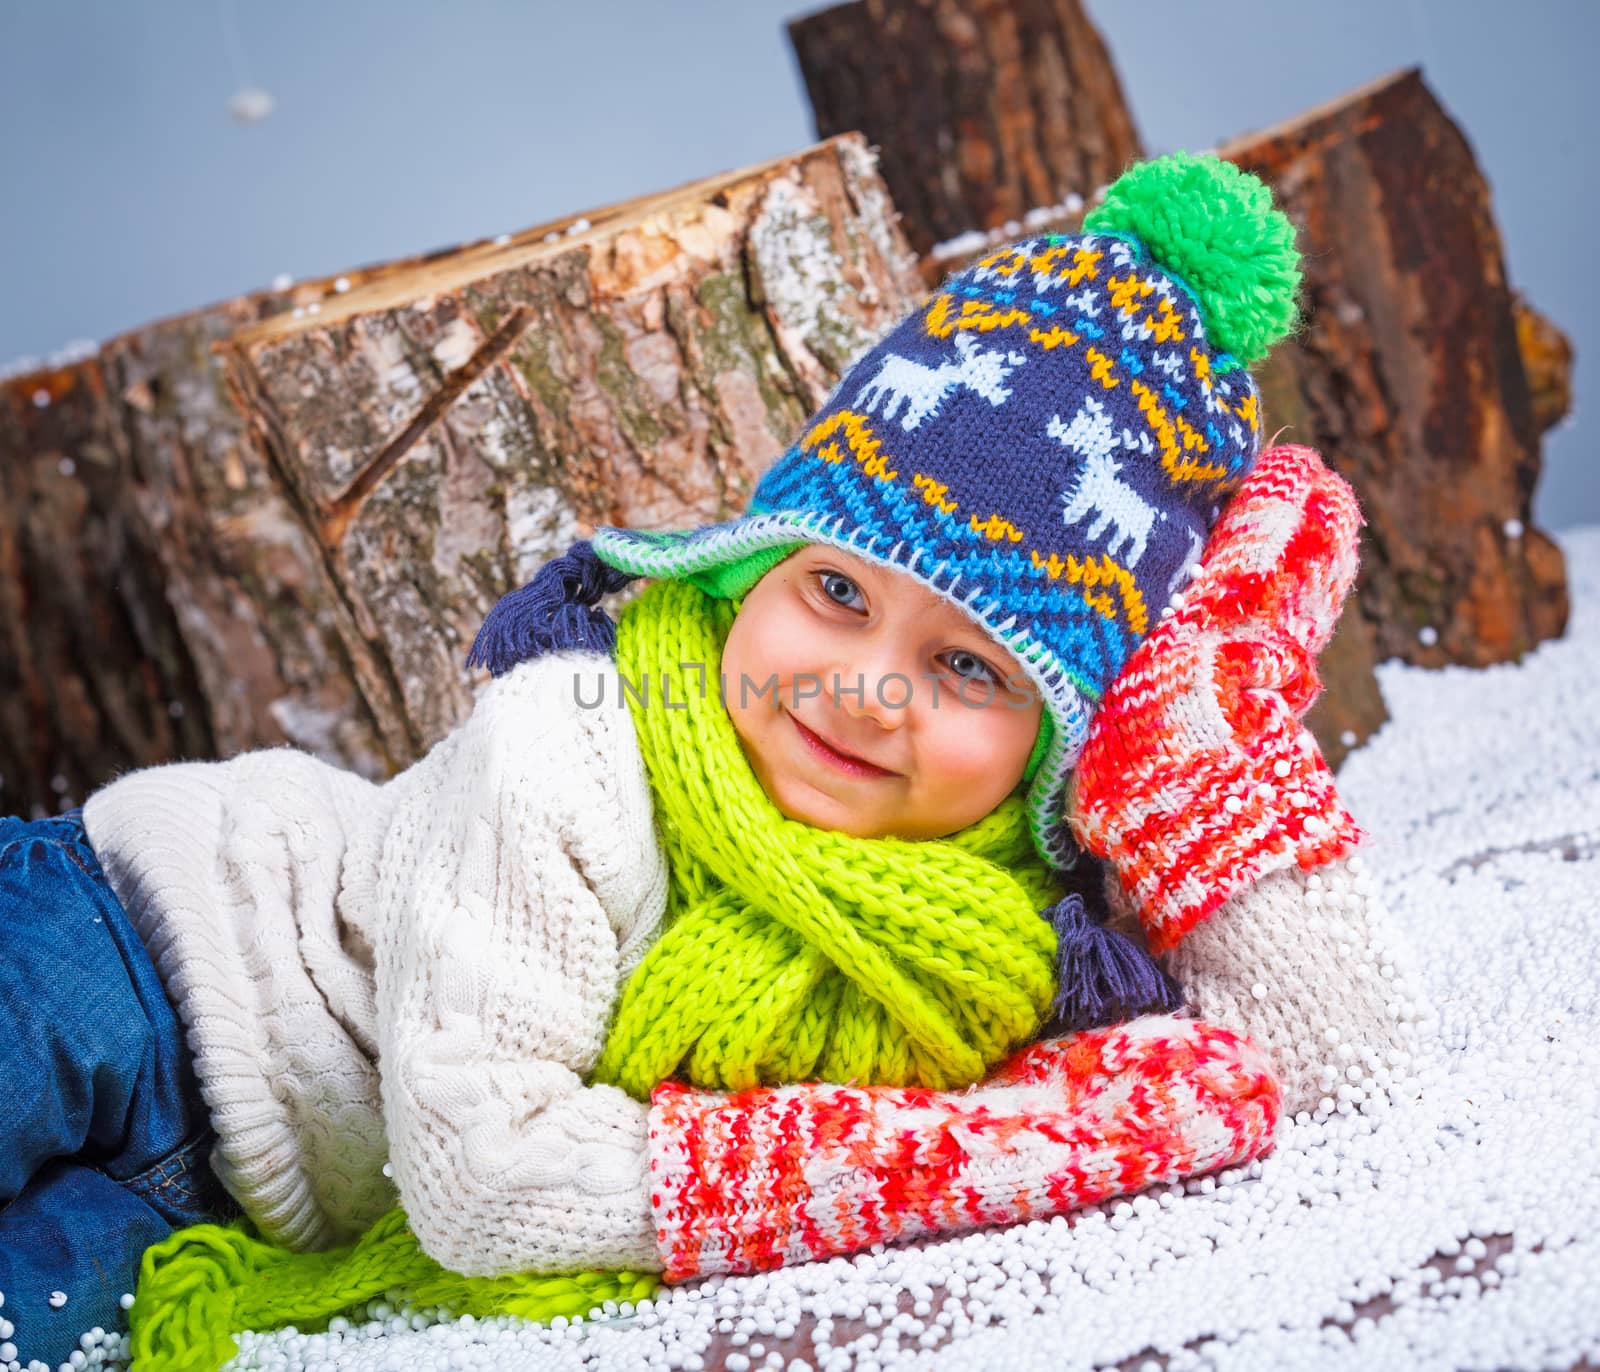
<point x="862" y="443"/>
<point x="980" y="316"/>
<point x="1085" y="262"/>
<point x="1101" y="570"/>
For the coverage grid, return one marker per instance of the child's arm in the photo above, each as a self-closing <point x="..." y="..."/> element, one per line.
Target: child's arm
<point x="1306" y="964"/>
<point x="762" y="1178"/>
<point x="520" y="879"/>
<point x="1217" y="812"/>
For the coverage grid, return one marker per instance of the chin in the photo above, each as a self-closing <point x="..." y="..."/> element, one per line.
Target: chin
<point x="819" y="811"/>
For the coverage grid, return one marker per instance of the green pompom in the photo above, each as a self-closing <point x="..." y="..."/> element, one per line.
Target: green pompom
<point x="1215" y="228"/>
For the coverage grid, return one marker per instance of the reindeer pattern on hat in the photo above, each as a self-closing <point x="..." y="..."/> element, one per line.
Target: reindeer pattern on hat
<point x="920" y="389"/>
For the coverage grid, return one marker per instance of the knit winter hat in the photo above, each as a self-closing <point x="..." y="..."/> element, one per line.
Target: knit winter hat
<point x="1046" y="442"/>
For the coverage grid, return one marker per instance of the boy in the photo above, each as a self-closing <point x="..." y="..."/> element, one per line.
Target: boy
<point x="458" y="989"/>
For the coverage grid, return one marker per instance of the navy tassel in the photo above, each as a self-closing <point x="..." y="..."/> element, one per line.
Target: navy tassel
<point x="557" y="610"/>
<point x="1103" y="977"/>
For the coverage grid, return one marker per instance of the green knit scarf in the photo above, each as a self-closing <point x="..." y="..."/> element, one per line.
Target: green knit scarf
<point x="788" y="953"/>
<point x="791" y="953"/>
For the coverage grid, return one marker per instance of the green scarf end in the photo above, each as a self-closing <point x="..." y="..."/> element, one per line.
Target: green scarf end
<point x="204" y="1285"/>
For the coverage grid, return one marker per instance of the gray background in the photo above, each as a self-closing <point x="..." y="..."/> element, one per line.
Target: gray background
<point x="126" y="192"/>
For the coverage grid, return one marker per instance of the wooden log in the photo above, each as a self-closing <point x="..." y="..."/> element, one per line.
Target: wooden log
<point x="94" y="675"/>
<point x="285" y="516"/>
<point x="1409" y="377"/>
<point x="160" y="598"/>
<point x="156" y="601"/>
<point x="445" y="433"/>
<point x="981" y="109"/>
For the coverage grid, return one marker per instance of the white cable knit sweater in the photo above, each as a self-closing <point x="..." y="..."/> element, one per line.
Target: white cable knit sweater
<point x="420" y="971"/>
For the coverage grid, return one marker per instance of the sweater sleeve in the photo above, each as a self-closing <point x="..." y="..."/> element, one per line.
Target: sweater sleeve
<point x="519" y="877"/>
<point x="1309" y="965"/>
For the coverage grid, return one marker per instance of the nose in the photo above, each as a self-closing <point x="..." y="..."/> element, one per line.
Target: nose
<point x="875" y="684"/>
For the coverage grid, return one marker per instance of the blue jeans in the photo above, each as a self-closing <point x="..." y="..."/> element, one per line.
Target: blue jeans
<point x="104" y="1140"/>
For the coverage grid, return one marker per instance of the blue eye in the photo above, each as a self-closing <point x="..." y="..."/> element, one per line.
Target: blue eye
<point x="982" y="668"/>
<point x="832" y="581"/>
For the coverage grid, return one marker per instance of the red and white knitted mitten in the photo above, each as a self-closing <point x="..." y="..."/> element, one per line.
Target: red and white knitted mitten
<point x="771" y="1176"/>
<point x="1198" y="777"/>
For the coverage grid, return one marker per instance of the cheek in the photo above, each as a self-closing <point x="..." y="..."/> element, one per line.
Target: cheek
<point x="781" y="640"/>
<point x="759" y="648"/>
<point x="972" y="745"/>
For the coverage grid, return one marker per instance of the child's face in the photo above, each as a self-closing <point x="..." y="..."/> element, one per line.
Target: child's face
<point x="830" y="649"/>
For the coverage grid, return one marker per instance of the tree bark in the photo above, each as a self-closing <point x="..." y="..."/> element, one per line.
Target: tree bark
<point x="283" y="518"/>
<point x="1409" y="376"/>
<point x="157" y="600"/>
<point x="981" y="109"/>
<point x="94" y="673"/>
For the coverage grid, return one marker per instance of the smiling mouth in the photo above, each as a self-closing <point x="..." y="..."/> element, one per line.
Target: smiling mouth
<point x="844" y="762"/>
